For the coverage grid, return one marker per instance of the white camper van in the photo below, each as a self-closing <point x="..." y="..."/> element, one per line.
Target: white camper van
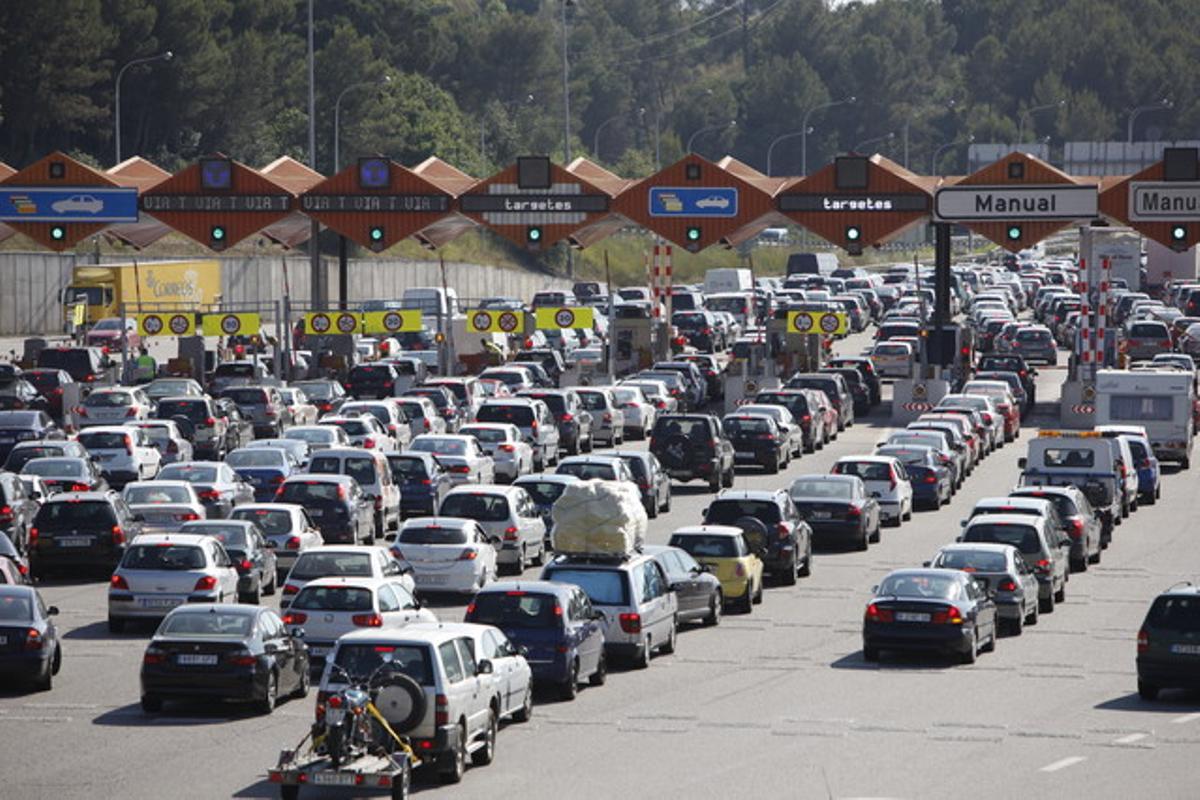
<point x="1158" y="400"/>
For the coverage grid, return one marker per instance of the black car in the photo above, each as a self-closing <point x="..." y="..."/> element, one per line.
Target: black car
<point x="696" y="327"/>
<point x="697" y="590"/>
<point x="831" y="386"/>
<point x="336" y="504"/>
<point x="859" y="391"/>
<point x="327" y="396"/>
<point x="84" y="364"/>
<point x="21" y="426"/>
<point x="574" y="422"/>
<point x="443" y="400"/>
<point x="81" y="531"/>
<point x="372" y="381"/>
<point x="29" y="646"/>
<point x="994" y="362"/>
<point x="1168" y="644"/>
<point x="50" y="384"/>
<point x="423" y="482"/>
<point x="837" y="507"/>
<point x="18" y="394"/>
<point x="772" y="515"/>
<point x="17" y="510"/>
<point x="693" y="447"/>
<point x="866" y="369"/>
<point x="756" y="440"/>
<point x="795" y="401"/>
<point x="939" y="610"/>
<point x="247" y="547"/>
<point x="216" y="651"/>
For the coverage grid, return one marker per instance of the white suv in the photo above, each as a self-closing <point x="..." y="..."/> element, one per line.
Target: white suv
<point x="506" y="513"/>
<point x="123" y="454"/>
<point x="443" y="697"/>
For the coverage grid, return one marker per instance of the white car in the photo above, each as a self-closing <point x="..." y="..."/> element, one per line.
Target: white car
<point x="160" y="571"/>
<point x="343" y="561"/>
<point x="447" y="554"/>
<point x="123" y="454"/>
<point x="78" y="204"/>
<point x="463" y="457"/>
<point x="513" y="456"/>
<point x="511" y="675"/>
<point x="327" y="608"/>
<point x="112" y="406"/>
<point x="893" y="359"/>
<point x="363" y="430"/>
<point x="299" y="410"/>
<point x="657" y="393"/>
<point x="389" y="414"/>
<point x="885" y="479"/>
<point x="166" y="437"/>
<point x="297" y="447"/>
<point x="713" y="201"/>
<point x="506" y="513"/>
<point x="164" y="505"/>
<point x="319" y="437"/>
<point x="423" y="416"/>
<point x="288" y="529"/>
<point x="638" y="412"/>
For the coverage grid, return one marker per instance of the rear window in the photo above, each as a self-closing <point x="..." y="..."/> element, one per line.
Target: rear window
<point x="55" y="468"/>
<point x="481" y="507"/>
<point x="108" y="400"/>
<point x="1068" y="457"/>
<point x="69" y="514"/>
<point x="918" y="586"/>
<point x="727" y="512"/>
<point x="433" y="534"/>
<point x="303" y="492"/>
<point x="1023" y="537"/>
<point x="76" y="362"/>
<point x="246" y="396"/>
<point x="1148" y="330"/>
<point x="821" y="490"/>
<point x="168" y="558"/>
<point x="745" y="426"/>
<point x="700" y="546"/>
<point x="334" y="598"/>
<point x="867" y="470"/>
<point x="674" y="426"/>
<point x="604" y="587"/>
<point x="446" y="447"/>
<point x="258" y="457"/>
<point x="361" y="469"/>
<point x="352" y="427"/>
<point x="311" y="566"/>
<point x="521" y="416"/>
<point x="272" y="522"/>
<point x="232" y="536"/>
<point x="360" y="660"/>
<point x="1033" y="336"/>
<point x="544" y="493"/>
<point x="689" y="320"/>
<point x="189" y="473"/>
<point x="593" y="401"/>
<point x="18" y="458"/>
<point x="194" y="410"/>
<point x="587" y="471"/>
<point x="407" y="469"/>
<point x="486" y="435"/>
<point x="157" y="493"/>
<point x="556" y="402"/>
<point x="104" y="440"/>
<point x="1175" y="614"/>
<point x="514" y="610"/>
<point x="205" y="624"/>
<point x="316" y="391"/>
<point x="370" y="373"/>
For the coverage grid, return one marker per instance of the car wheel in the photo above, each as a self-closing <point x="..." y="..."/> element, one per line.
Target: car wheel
<point x="151" y="704"/>
<point x="270" y="696"/>
<point x="1016" y="626"/>
<point x="991" y="644"/>
<point x="870" y="653"/>
<point x="525" y="712"/>
<point x="806" y="568"/>
<point x="1150" y="498"/>
<point x="1046" y="606"/>
<point x="273" y="585"/>
<point x="540" y="558"/>
<point x="972" y="652"/>
<point x="570" y="687"/>
<point x="666" y="507"/>
<point x="600" y="676"/>
<point x="669" y="647"/>
<point x="641" y="659"/>
<point x="487" y="753"/>
<point x="253" y="597"/>
<point x="45" y="681"/>
<point x="116" y="625"/>
<point x="714" y="611"/>
<point x="1095" y="559"/>
<point x="745" y="603"/>
<point x="788" y="576"/>
<point x="454" y="763"/>
<point x="772" y="467"/>
<point x="864" y="539"/>
<point x="877" y="534"/>
<point x="716" y="482"/>
<point x="56" y="665"/>
<point x="1061" y="595"/>
<point x="758" y="595"/>
<point x="519" y="566"/>
<point x="1147" y="691"/>
<point x="303" y="686"/>
<point x="1032" y="617"/>
<point x="729" y="476"/>
<point x="908" y="514"/>
<point x="652" y="510"/>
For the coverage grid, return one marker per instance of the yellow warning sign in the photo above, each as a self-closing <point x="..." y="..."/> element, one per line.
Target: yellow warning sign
<point x="559" y="318"/>
<point x="394" y="321"/>
<point x="832" y="323"/>
<point x="332" y="322"/>
<point x="173" y="323"/>
<point x="483" y="320"/>
<point x="246" y="324"/>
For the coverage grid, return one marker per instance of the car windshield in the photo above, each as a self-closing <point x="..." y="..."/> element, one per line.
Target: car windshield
<point x="433" y="534"/>
<point x="745" y="426"/>
<point x="259" y="457"/>
<point x="445" y="447"/>
<point x="1023" y="537"/>
<point x="304" y="492"/>
<point x="867" y="470"/>
<point x="272" y="522"/>
<point x="925" y="586"/>
<point x="204" y="624"/>
<point x="821" y="490"/>
<point x="544" y="493"/>
<point x="55" y="467"/>
<point x="108" y="400"/>
<point x="361" y="469"/>
<point x="702" y="546"/>
<point x="477" y="506"/>
<point x="163" y="557"/>
<point x="311" y="566"/>
<point x="972" y="560"/>
<point x="189" y="473"/>
<point x="604" y="587"/>
<point x="361" y="660"/>
<point x="157" y="493"/>
<point x="728" y="512"/>
<point x="103" y="440"/>
<point x="334" y="598"/>
<point x="73" y="514"/>
<point x="515" y="610"/>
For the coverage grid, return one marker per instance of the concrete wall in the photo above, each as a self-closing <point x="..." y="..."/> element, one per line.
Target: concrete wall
<point x="30" y="283"/>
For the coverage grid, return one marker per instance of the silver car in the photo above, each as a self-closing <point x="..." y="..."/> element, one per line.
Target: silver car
<point x="462" y="456"/>
<point x="608" y="422"/>
<point x="513" y="456"/>
<point x="164" y="505"/>
<point x="161" y="571"/>
<point x="287" y="527"/>
<point x="112" y="406"/>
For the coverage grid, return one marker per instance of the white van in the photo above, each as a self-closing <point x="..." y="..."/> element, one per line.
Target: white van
<point x="1161" y="402"/>
<point x="432" y="300"/>
<point x="735" y="279"/>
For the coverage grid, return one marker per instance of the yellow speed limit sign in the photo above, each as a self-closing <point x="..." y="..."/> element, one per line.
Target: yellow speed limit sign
<point x="559" y="318"/>
<point x="166" y="324"/>
<point x="832" y="323"/>
<point x="395" y="321"/>
<point x="246" y="324"/>
<point x="482" y="320"/>
<point x="331" y="322"/>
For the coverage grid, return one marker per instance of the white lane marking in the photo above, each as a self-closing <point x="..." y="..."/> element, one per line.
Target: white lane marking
<point x="1131" y="738"/>
<point x="1063" y="764"/>
<point x="1186" y="718"/>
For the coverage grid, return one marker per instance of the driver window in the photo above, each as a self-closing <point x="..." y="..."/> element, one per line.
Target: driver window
<point x="467" y="649"/>
<point x="404" y="597"/>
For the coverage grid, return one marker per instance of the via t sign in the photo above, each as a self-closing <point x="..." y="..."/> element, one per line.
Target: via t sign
<point x="980" y="203"/>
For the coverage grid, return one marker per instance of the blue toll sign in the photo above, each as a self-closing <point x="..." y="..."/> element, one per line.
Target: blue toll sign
<point x="693" y="201"/>
<point x="68" y="204"/>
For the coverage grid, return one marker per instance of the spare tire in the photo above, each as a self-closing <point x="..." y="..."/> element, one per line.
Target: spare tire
<point x="401" y="700"/>
<point x="676" y="452"/>
<point x="755" y="531"/>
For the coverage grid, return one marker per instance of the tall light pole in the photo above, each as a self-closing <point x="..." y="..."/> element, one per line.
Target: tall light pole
<point x="861" y="146"/>
<point x="166" y="56"/>
<point x="596" y="136"/>
<point x="337" y="117"/>
<point x="318" y="291"/>
<point x="1029" y="112"/>
<point x="944" y="148"/>
<point x="720" y="126"/>
<point x="1134" y="112"/>
<point x="804" y="127"/>
<point x="566" y="64"/>
<point x="950" y="104"/>
<point x="777" y="140"/>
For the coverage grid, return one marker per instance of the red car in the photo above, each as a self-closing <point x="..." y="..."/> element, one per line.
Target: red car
<point x="107" y="334"/>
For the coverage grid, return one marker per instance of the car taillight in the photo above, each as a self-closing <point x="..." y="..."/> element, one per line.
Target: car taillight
<point x="245" y="565"/>
<point x="510" y="534"/>
<point x="425" y="421"/>
<point x="34" y="534"/>
<point x="782" y="530"/>
<point x="929" y="478"/>
<point x="190" y="516"/>
<point x="172" y="447"/>
<point x="209" y="421"/>
<point x="1143" y="641"/>
<point x="607" y="416"/>
<point x="79" y="487"/>
<point x="290" y="589"/>
<point x="368" y="443"/>
<point x="853" y="511"/>
<point x="1076" y="530"/>
<point x="459" y="469"/>
<point x="81" y="411"/>
<point x="154" y="655"/>
<point x="441" y="713"/>
<point x="209" y="494"/>
<point x="6" y="514"/>
<point x="1043" y="566"/>
<point x="1007" y="586"/>
<point x="293" y="543"/>
<point x="341" y="493"/>
<point x="660" y="405"/>
<point x="469" y="554"/>
<point x="271" y="413"/>
<point x="205" y="583"/>
<point x="241" y="658"/>
<point x="295" y="618"/>
<point x="877" y="614"/>
<point x="950" y="615"/>
<point x="367" y="620"/>
<point x="507" y="448"/>
<point x="118" y="582"/>
<point x="806" y="418"/>
<point x="767" y="437"/>
<point x="118" y="535"/>
<point x="631" y="623"/>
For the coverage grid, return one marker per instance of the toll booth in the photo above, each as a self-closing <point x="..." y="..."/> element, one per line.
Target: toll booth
<point x="752" y="369"/>
<point x="633" y="339"/>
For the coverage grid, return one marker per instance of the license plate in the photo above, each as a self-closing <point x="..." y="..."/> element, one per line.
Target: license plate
<point x="8" y="439"/>
<point x="106" y="456"/>
<point x="319" y="651"/>
<point x="316" y="512"/>
<point x="158" y="602"/>
<point x="1186" y="649"/>
<point x="333" y="778"/>
<point x="433" y="579"/>
<point x="196" y="660"/>
<point x="822" y="514"/>
<point x="74" y="541"/>
<point x="908" y="616"/>
<point x="743" y="454"/>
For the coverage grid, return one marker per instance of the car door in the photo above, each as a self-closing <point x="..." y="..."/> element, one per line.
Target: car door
<point x="481" y="688"/>
<point x="503" y="671"/>
<point x="586" y="632"/>
<point x="533" y="529"/>
<point x="228" y="579"/>
<point x="659" y="602"/>
<point x="390" y="609"/>
<point x="278" y="644"/>
<point x="691" y="593"/>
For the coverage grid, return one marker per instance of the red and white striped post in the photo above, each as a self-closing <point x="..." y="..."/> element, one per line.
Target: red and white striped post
<point x="656" y="283"/>
<point x="1102" y="312"/>
<point x="670" y="267"/>
<point x="1085" y="324"/>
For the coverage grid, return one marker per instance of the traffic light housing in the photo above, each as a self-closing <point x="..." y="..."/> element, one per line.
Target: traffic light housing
<point x="694" y="233"/>
<point x="945" y="350"/>
<point x="217" y="237"/>
<point x="1179" y="237"/>
<point x="533" y="235"/>
<point x="1013" y="233"/>
<point x="375" y="235"/>
<point x="58" y="233"/>
<point x="854" y="240"/>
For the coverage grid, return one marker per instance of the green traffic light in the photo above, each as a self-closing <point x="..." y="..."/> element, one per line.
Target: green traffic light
<point x="853" y="233"/>
<point x="534" y="234"/>
<point x="218" y="233"/>
<point x="1014" y="232"/>
<point x="693" y="234"/>
<point x="1178" y="233"/>
<point x="58" y="233"/>
<point x="376" y="234"/>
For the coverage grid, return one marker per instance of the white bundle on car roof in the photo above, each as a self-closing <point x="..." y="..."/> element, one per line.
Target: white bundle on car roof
<point x="599" y="518"/>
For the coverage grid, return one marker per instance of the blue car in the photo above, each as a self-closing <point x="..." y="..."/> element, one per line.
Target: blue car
<point x="932" y="481"/>
<point x="264" y="468"/>
<point x="554" y="625"/>
<point x="1144" y="460"/>
<point x="423" y="482"/>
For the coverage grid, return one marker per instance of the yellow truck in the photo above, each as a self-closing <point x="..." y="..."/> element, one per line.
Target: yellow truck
<point x="157" y="285"/>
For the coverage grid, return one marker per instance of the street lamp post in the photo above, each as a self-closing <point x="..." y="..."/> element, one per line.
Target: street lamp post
<point x="1134" y="112"/>
<point x="944" y="148"/>
<point x="950" y="105"/>
<point x="1029" y="112"/>
<point x="777" y="140"/>
<point x="804" y="127"/>
<point x="887" y="137"/>
<point x="166" y="56"/>
<point x="337" y="117"/>
<point x="596" y="136"/>
<point x="709" y="129"/>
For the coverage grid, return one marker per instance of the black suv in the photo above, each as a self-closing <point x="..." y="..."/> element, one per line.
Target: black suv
<point x="1011" y="363"/>
<point x="693" y="447"/>
<point x="83" y="364"/>
<point x="788" y="536"/>
<point x="795" y="401"/>
<point x="372" y="381"/>
<point x="81" y="530"/>
<point x="757" y="440"/>
<point x="1168" y="645"/>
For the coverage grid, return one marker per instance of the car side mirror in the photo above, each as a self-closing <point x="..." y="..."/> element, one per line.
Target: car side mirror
<point x="139" y="518"/>
<point x="52" y="611"/>
<point x="958" y="538"/>
<point x="484" y="667"/>
<point x="522" y="650"/>
<point x="875" y="588"/>
<point x="962" y="523"/>
<point x="926" y="563"/>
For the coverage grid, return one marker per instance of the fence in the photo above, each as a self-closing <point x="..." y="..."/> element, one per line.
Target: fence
<point x="31" y="283"/>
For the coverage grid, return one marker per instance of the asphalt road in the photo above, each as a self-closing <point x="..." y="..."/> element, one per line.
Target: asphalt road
<point x="778" y="703"/>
